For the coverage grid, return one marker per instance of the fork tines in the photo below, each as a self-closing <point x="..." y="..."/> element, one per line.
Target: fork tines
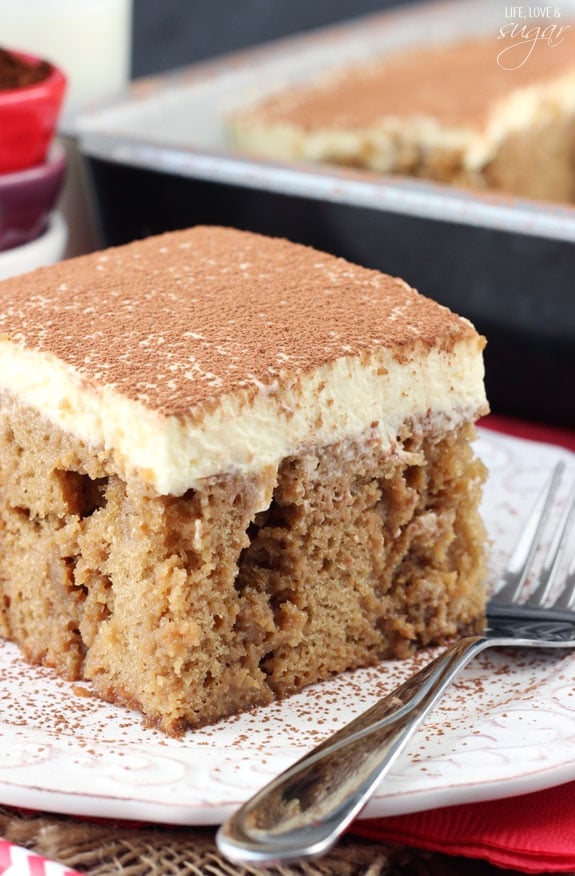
<point x="522" y="559"/>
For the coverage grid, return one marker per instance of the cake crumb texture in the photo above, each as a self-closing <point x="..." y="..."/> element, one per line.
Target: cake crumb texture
<point x="196" y="607"/>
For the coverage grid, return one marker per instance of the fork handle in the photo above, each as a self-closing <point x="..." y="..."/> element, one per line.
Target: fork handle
<point x="302" y="812"/>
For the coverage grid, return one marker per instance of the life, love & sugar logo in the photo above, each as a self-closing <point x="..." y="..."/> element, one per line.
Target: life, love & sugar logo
<point x="529" y="27"/>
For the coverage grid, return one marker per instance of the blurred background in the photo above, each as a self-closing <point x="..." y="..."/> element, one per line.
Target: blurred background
<point x="492" y="278"/>
<point x="173" y="33"/>
<point x="517" y="288"/>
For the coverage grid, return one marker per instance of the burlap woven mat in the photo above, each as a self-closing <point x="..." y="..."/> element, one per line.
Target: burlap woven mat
<point x="106" y="849"/>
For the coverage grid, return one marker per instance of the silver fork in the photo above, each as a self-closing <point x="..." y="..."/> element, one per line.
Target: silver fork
<point x="302" y="812"/>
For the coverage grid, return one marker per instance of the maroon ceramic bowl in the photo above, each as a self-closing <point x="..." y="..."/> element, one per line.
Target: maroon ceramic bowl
<point x="27" y="198"/>
<point x="28" y="112"/>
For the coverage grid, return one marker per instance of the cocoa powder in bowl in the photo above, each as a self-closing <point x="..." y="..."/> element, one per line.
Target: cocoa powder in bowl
<point x="18" y="73"/>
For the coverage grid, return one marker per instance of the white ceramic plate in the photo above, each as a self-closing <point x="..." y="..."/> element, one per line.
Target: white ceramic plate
<point x="506" y="727"/>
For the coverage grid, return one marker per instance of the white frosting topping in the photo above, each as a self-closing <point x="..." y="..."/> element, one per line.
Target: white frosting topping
<point x="175" y="452"/>
<point x="212" y="350"/>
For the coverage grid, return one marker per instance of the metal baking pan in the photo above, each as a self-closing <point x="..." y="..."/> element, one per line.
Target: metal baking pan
<point x="159" y="159"/>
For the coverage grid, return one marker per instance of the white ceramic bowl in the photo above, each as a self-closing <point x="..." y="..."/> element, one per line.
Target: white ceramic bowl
<point x="45" y="250"/>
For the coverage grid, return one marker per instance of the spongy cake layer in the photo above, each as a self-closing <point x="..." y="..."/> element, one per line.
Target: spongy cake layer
<point x="195" y="607"/>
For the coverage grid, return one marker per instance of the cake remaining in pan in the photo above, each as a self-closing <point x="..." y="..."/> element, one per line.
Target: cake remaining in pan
<point x="490" y="113"/>
<point x="232" y="466"/>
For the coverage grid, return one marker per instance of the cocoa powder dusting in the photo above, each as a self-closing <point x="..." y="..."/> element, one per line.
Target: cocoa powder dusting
<point x="18" y="73"/>
<point x="208" y="311"/>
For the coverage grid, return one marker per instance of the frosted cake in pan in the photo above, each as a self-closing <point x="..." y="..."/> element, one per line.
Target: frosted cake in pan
<point x="493" y="114"/>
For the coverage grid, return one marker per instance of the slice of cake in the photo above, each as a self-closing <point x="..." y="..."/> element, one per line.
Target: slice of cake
<point x="232" y="466"/>
<point x="487" y="113"/>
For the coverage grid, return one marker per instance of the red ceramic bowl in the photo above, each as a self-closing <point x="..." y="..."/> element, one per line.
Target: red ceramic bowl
<point x="28" y="118"/>
<point x="27" y="198"/>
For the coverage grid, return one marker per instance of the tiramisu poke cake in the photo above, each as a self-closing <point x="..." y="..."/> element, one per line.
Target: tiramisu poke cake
<point x="232" y="466"/>
<point x="487" y="113"/>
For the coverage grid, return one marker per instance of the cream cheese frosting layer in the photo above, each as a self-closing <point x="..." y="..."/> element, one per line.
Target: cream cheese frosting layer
<point x="345" y="398"/>
<point x="200" y="352"/>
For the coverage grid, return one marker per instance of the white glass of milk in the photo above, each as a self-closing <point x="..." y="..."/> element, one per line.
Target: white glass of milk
<point x="91" y="41"/>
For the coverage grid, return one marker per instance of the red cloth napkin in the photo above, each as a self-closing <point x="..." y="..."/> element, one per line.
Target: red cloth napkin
<point x="18" y="861"/>
<point x="534" y="431"/>
<point x="533" y="833"/>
